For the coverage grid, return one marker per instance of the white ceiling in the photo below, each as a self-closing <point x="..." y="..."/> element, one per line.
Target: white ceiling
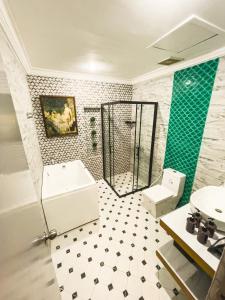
<point x="105" y="37"/>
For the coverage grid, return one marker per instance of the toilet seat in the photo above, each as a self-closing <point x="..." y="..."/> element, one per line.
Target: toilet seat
<point x="158" y="193"/>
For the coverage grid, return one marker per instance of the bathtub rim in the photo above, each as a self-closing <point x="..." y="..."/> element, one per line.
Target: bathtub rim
<point x="73" y="189"/>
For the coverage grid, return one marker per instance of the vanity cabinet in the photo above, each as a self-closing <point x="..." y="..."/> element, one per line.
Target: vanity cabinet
<point x="188" y="261"/>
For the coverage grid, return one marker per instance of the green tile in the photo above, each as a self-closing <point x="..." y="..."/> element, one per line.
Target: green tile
<point x="192" y="89"/>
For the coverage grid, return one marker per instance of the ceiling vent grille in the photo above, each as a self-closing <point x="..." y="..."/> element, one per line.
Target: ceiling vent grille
<point x="170" y="61"/>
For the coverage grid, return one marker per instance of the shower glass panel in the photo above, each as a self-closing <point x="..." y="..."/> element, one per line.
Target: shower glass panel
<point x="128" y="133"/>
<point x="106" y="142"/>
<point x="146" y="143"/>
<point x="121" y="178"/>
<point x="136" y="145"/>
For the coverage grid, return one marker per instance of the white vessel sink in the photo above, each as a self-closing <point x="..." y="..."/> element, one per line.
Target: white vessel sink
<point x="210" y="200"/>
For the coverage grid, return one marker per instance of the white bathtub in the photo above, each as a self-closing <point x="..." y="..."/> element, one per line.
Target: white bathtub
<point x="69" y="196"/>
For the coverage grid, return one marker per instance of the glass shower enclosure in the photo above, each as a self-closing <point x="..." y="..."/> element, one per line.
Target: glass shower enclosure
<point x="128" y="136"/>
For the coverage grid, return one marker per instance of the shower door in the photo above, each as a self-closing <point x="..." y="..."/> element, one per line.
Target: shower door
<point x="128" y="133"/>
<point x="143" y="145"/>
<point x="108" y="143"/>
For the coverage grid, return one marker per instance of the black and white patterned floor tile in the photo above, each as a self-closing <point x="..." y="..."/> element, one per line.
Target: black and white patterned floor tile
<point x="123" y="183"/>
<point x="114" y="257"/>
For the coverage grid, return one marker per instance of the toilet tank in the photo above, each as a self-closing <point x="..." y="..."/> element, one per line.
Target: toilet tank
<point x="174" y="181"/>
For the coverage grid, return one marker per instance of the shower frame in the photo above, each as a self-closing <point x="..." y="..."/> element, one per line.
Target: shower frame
<point x="111" y="155"/>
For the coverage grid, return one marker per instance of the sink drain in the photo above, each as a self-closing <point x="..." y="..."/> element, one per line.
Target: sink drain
<point x="218" y="210"/>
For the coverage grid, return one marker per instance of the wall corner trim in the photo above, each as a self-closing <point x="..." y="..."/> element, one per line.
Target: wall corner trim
<point x="79" y="76"/>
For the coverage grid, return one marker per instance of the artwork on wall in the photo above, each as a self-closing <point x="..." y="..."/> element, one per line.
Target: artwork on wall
<point x="59" y="114"/>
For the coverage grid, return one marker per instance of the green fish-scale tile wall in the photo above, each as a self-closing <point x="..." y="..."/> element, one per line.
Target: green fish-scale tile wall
<point x="192" y="89"/>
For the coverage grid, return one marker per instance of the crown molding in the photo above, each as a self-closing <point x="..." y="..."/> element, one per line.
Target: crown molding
<point x="164" y="71"/>
<point x="12" y="37"/>
<point x="80" y="76"/>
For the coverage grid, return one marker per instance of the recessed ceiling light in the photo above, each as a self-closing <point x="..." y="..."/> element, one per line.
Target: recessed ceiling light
<point x="95" y="66"/>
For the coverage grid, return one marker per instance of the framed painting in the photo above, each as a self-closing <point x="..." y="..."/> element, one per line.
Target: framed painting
<point x="59" y="114"/>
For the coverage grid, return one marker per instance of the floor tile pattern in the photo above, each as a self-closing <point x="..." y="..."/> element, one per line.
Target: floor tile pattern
<point x="123" y="183"/>
<point x="114" y="257"/>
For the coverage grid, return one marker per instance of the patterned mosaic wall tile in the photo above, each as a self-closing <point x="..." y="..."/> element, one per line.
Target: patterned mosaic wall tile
<point x="211" y="162"/>
<point x="87" y="93"/>
<point x="192" y="89"/>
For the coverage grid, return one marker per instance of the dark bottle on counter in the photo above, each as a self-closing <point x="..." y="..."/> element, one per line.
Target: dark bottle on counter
<point x="211" y="226"/>
<point x="190" y="225"/>
<point x="203" y="234"/>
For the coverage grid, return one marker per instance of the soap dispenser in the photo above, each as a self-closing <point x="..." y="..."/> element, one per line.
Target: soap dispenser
<point x="198" y="218"/>
<point x="190" y="225"/>
<point x="211" y="226"/>
<point x="203" y="234"/>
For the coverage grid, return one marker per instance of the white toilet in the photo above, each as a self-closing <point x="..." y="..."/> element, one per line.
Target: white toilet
<point x="163" y="198"/>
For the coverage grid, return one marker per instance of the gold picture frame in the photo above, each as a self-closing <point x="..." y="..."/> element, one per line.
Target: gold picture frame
<point x="59" y="115"/>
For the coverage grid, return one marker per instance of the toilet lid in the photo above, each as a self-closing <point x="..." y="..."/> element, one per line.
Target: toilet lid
<point x="158" y="193"/>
